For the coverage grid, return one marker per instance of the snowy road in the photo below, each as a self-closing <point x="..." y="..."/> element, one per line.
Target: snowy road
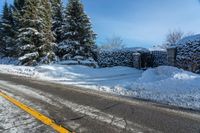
<point x="14" y="120"/>
<point x="83" y="110"/>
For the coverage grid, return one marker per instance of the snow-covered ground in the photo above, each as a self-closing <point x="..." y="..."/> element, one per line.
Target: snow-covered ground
<point x="164" y="84"/>
<point x="8" y="60"/>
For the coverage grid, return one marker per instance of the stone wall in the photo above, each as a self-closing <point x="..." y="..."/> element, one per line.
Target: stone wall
<point x="188" y="56"/>
<point x="171" y="56"/>
<point x="131" y="57"/>
<point x="137" y="58"/>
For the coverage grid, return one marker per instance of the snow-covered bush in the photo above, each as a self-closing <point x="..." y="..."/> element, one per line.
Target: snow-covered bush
<point x="159" y="58"/>
<point x="188" y="53"/>
<point x="119" y="57"/>
<point x="79" y="60"/>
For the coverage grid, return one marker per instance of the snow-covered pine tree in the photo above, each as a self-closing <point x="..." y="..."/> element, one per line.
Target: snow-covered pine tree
<point x="46" y="50"/>
<point x="57" y="16"/>
<point x="30" y="37"/>
<point x="18" y="11"/>
<point x="78" y="36"/>
<point x="18" y="5"/>
<point x="7" y="31"/>
<point x="35" y="37"/>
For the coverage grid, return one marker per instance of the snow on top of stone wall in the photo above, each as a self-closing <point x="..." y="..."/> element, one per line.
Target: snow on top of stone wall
<point x="133" y="49"/>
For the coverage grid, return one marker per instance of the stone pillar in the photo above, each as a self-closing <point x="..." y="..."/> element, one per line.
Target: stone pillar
<point x="171" y="56"/>
<point x="137" y="60"/>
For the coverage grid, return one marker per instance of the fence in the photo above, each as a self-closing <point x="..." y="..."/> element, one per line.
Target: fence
<point x="159" y="58"/>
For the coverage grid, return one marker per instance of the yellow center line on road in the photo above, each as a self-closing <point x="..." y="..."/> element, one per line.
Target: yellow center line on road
<point x="44" y="119"/>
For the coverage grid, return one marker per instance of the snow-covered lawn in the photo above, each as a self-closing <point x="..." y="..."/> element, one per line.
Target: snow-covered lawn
<point x="163" y="84"/>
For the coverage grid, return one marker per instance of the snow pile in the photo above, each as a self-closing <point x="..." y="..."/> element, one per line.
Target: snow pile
<point x="164" y="84"/>
<point x="169" y="85"/>
<point x="188" y="51"/>
<point x="83" y="75"/>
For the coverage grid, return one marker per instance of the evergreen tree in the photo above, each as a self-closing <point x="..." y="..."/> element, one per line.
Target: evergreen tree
<point x="78" y="36"/>
<point x="7" y="32"/>
<point x="47" y="49"/>
<point x="18" y="12"/>
<point x="57" y="16"/>
<point x="18" y="5"/>
<point x="35" y="37"/>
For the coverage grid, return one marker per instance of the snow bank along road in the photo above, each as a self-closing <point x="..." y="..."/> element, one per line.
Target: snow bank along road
<point x="87" y="111"/>
<point x="163" y="84"/>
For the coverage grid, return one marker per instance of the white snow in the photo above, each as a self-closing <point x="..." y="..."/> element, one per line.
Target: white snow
<point x="8" y="60"/>
<point x="169" y="85"/>
<point x="163" y="84"/>
<point x="189" y="39"/>
<point x="131" y="49"/>
<point x="30" y="55"/>
<point x="158" y="48"/>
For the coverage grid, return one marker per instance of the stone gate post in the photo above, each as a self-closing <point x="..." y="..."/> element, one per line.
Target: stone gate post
<point x="137" y="60"/>
<point x="171" y="56"/>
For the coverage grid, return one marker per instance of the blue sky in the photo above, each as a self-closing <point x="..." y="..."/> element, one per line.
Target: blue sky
<point x="141" y="22"/>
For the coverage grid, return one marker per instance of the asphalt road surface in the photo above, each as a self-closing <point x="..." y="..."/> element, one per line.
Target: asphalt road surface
<point x="88" y="111"/>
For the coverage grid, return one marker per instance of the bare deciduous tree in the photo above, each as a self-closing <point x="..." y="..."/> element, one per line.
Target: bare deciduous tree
<point x="174" y="36"/>
<point x="113" y="43"/>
